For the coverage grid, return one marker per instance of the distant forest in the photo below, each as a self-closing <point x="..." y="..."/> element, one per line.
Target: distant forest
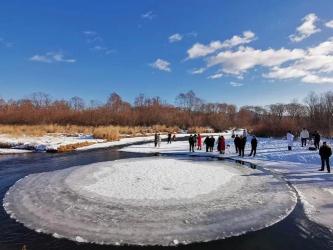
<point x="189" y="111"/>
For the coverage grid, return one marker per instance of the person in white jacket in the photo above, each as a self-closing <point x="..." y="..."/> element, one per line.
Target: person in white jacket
<point x="304" y="136"/>
<point x="290" y="139"/>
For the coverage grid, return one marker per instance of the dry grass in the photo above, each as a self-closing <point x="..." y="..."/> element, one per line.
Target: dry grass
<point x="72" y="147"/>
<point x="199" y="130"/>
<point x="40" y="130"/>
<point x="109" y="133"/>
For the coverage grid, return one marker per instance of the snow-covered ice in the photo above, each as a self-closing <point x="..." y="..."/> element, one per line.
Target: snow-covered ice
<point x="46" y="142"/>
<point x="162" y="180"/>
<point x="13" y="151"/>
<point x="299" y="167"/>
<point x="54" y="141"/>
<point x="150" y="201"/>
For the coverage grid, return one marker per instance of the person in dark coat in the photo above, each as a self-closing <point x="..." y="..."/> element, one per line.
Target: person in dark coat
<point x="155" y="140"/>
<point x="212" y="143"/>
<point x="195" y="139"/>
<point x="206" y="142"/>
<point x="242" y="143"/>
<point x="191" y="143"/>
<point x="316" y="137"/>
<point x="237" y="143"/>
<point x="254" y="143"/>
<point x="325" y="153"/>
<point x="169" y="138"/>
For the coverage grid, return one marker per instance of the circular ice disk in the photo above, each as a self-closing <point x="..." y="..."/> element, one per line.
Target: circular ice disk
<point x="157" y="180"/>
<point x="150" y="201"/>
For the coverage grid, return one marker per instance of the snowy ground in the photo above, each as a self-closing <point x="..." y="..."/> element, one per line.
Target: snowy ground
<point x="150" y="201"/>
<point x="54" y="141"/>
<point x="299" y="167"/>
<point x="13" y="151"/>
<point x="43" y="143"/>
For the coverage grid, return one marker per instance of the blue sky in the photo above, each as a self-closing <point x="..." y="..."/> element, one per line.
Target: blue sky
<point x="243" y="52"/>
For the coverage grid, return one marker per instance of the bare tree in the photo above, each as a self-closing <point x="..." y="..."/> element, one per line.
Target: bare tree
<point x="40" y="99"/>
<point x="77" y="103"/>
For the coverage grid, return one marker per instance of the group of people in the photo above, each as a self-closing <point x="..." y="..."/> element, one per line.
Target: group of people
<point x="209" y="142"/>
<point x="325" y="150"/>
<point x="171" y="137"/>
<point x="239" y="141"/>
<point x="158" y="139"/>
<point x="305" y="138"/>
<point x="195" y="142"/>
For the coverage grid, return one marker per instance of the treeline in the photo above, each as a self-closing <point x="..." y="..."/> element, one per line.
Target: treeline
<point x="315" y="113"/>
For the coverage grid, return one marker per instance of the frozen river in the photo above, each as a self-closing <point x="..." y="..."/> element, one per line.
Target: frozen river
<point x="293" y="232"/>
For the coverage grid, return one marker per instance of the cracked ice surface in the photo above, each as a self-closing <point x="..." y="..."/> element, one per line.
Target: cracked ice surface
<point x="149" y="201"/>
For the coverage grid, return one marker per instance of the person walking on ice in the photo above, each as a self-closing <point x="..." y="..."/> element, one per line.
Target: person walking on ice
<point x="237" y="143"/>
<point x="254" y="143"/>
<point x="211" y="143"/>
<point x="316" y="136"/>
<point x="199" y="142"/>
<point x="195" y="138"/>
<point x="191" y="143"/>
<point x="155" y="140"/>
<point x="325" y="153"/>
<point x="158" y="140"/>
<point x="242" y="144"/>
<point x="304" y="136"/>
<point x="221" y="144"/>
<point x="290" y="139"/>
<point x="169" y="138"/>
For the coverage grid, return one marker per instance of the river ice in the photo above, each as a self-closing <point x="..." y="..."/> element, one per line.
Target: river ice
<point x="299" y="167"/>
<point x="150" y="201"/>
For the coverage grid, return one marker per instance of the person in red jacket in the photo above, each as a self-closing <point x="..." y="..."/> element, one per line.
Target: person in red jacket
<point x="221" y="144"/>
<point x="199" y="142"/>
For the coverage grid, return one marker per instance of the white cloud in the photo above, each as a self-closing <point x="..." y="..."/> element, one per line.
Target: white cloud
<point x="245" y="58"/>
<point x="175" y="38"/>
<point x="313" y="67"/>
<point x="161" y="65"/>
<point x="215" y="76"/>
<point x="329" y="24"/>
<point x="198" y="71"/>
<point x="306" y="29"/>
<point x="201" y="50"/>
<point x="148" y="15"/>
<point x="285" y="73"/>
<point x="317" y="79"/>
<point x="308" y="65"/>
<point x="51" y="57"/>
<point x="248" y="36"/>
<point x="236" y="84"/>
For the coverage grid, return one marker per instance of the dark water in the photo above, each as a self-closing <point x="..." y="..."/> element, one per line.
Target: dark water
<point x="295" y="232"/>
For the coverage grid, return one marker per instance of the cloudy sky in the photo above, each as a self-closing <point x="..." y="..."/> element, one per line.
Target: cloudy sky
<point x="242" y="52"/>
